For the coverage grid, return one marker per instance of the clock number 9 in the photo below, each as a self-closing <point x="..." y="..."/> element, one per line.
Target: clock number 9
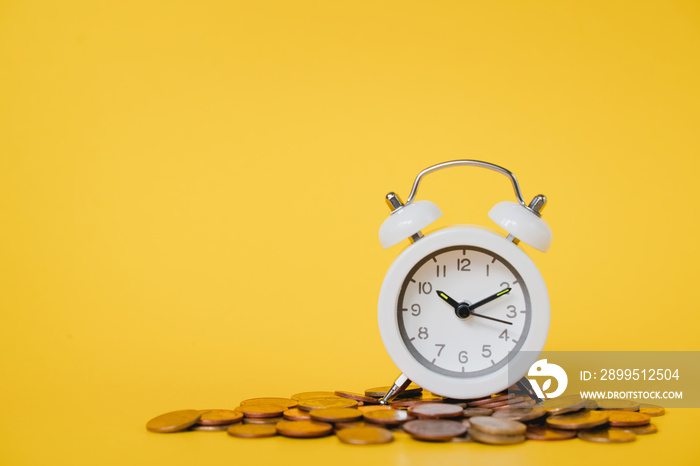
<point x="415" y="309"/>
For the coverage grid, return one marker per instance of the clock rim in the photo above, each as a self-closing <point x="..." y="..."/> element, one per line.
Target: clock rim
<point x="472" y="387"/>
<point x="471" y="374"/>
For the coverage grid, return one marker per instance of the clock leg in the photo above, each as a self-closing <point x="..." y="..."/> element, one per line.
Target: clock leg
<point x="524" y="386"/>
<point x="399" y="385"/>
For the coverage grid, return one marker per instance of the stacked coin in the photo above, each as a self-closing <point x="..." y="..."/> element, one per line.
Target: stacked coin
<point x="358" y="419"/>
<point x="496" y="431"/>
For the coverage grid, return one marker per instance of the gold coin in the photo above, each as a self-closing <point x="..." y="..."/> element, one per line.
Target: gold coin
<point x="304" y="429"/>
<point x="492" y="425"/>
<point x="217" y="417"/>
<point x="526" y="413"/>
<point x="578" y="421"/>
<point x="508" y="402"/>
<point x="365" y="435"/>
<point x="627" y="418"/>
<point x="217" y="428"/>
<point x="336" y="415"/>
<point x="262" y="420"/>
<point x="296" y="414"/>
<point x="489" y="400"/>
<point x="651" y="410"/>
<point x="286" y="402"/>
<point x="390" y="417"/>
<point x="618" y="405"/>
<point x="347" y="425"/>
<point x="379" y="392"/>
<point x="471" y="400"/>
<point x="367" y="409"/>
<point x="471" y="412"/>
<point x="261" y="410"/>
<point x="435" y="430"/>
<point x="523" y="403"/>
<point x="461" y="404"/>
<point x="174" y="421"/>
<point x="607" y="436"/>
<point x="564" y="404"/>
<point x="326" y="402"/>
<point x="591" y="404"/>
<point x="639" y="430"/>
<point x="493" y="439"/>
<point x="435" y="411"/>
<point x="308" y="395"/>
<point x="356" y="397"/>
<point x="252" y="430"/>
<point x="539" y="432"/>
<point x="424" y="398"/>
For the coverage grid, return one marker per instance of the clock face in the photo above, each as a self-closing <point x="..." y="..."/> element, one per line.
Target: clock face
<point x="467" y="345"/>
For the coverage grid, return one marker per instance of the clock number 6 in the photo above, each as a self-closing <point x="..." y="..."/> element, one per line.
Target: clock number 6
<point x="463" y="357"/>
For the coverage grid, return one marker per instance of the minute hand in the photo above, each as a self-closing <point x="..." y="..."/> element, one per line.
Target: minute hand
<point x="489" y="299"/>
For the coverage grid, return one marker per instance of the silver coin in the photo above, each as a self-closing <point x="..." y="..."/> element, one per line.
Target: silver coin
<point x="492" y="439"/>
<point x="436" y="430"/>
<point x="496" y="426"/>
<point x="618" y="405"/>
<point x="564" y="404"/>
<point x="471" y="412"/>
<point x="521" y="414"/>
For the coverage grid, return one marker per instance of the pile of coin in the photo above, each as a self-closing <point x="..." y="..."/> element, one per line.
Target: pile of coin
<point x="355" y="418"/>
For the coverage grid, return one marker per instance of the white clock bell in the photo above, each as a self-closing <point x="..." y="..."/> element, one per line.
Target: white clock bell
<point x="463" y="311"/>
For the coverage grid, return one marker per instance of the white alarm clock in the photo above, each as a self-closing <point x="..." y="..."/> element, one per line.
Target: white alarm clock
<point x="463" y="311"/>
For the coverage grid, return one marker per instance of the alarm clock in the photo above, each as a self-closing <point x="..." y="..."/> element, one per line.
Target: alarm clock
<point x="463" y="311"/>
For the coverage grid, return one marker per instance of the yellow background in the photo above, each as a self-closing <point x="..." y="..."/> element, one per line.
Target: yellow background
<point x="190" y="194"/>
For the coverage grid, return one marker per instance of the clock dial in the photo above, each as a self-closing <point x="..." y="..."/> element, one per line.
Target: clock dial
<point x="440" y="337"/>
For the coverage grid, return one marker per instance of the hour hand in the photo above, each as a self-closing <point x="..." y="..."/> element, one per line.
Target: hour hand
<point x="447" y="299"/>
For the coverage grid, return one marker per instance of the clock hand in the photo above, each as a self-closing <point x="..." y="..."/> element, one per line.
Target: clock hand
<point x="464" y="310"/>
<point x="488" y="300"/>
<point x="490" y="318"/>
<point x="447" y="299"/>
